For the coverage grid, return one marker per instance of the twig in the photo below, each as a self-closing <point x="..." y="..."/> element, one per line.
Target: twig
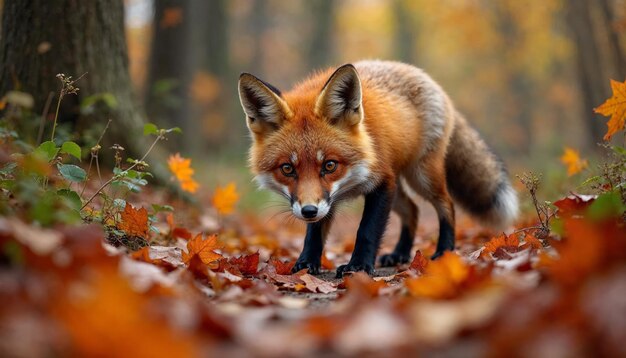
<point x="158" y="138"/>
<point x="94" y="155"/>
<point x="44" y="114"/>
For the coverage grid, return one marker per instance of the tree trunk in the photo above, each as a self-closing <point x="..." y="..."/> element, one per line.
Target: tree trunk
<point x="171" y="67"/>
<point x="41" y="38"/>
<point x="320" y="52"/>
<point x="404" y="36"/>
<point x="593" y="81"/>
<point x="615" y="50"/>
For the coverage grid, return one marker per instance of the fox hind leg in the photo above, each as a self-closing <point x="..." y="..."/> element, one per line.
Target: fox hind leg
<point x="408" y="212"/>
<point x="428" y="179"/>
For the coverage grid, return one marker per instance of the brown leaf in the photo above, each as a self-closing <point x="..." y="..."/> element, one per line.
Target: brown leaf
<point x="315" y="284"/>
<point x="134" y="221"/>
<point x="281" y="267"/>
<point x="505" y="242"/>
<point x="247" y="265"/>
<point x="362" y="284"/>
<point x="574" y="204"/>
<point x="419" y="262"/>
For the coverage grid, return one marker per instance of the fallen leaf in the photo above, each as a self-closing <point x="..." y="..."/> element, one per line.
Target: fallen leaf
<point x="315" y="284"/>
<point x="225" y="198"/>
<point x="362" y="284"/>
<point x="419" y="262"/>
<point x="281" y="267"/>
<point x="509" y="243"/>
<point x="614" y="107"/>
<point x="247" y="265"/>
<point x="572" y="160"/>
<point x="134" y="221"/>
<point x="202" y="248"/>
<point x="574" y="204"/>
<point x="443" y="278"/>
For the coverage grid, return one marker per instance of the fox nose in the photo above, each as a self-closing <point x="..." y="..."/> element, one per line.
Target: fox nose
<point x="309" y="211"/>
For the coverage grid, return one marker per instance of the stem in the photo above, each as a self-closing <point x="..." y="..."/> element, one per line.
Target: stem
<point x="56" y="114"/>
<point x="44" y="114"/>
<point x="159" y="137"/>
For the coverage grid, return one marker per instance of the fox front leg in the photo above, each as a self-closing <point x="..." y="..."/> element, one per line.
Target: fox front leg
<point x="311" y="256"/>
<point x="371" y="229"/>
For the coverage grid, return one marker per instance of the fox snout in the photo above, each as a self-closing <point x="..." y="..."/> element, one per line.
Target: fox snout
<point x="310" y="212"/>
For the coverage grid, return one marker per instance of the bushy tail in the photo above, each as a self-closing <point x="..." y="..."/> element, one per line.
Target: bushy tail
<point x="477" y="178"/>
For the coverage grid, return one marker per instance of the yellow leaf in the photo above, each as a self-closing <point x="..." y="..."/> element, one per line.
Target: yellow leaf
<point x="203" y="249"/>
<point x="572" y="160"/>
<point x="225" y="199"/>
<point x="614" y="107"/>
<point x="181" y="168"/>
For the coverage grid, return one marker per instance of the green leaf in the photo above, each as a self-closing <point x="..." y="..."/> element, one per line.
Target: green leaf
<point x="150" y="128"/>
<point x="72" y="198"/>
<point x="619" y="150"/>
<point x="72" y="149"/>
<point x="47" y="150"/>
<point x="72" y="172"/>
<point x="607" y="205"/>
<point x="119" y="203"/>
<point x="160" y="208"/>
<point x="8" y="168"/>
<point x="174" y="130"/>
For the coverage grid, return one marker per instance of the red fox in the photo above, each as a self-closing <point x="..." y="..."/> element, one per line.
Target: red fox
<point x="377" y="129"/>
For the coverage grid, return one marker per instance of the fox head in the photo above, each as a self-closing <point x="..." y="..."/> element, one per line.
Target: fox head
<point x="309" y="145"/>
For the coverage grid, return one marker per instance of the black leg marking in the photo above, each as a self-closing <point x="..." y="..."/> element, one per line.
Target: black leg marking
<point x="402" y="253"/>
<point x="446" y="238"/>
<point x="311" y="256"/>
<point x="371" y="229"/>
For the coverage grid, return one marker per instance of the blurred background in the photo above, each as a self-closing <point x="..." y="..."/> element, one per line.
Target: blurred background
<point x="527" y="74"/>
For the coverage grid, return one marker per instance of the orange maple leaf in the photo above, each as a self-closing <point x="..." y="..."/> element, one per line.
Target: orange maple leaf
<point x="172" y="17"/>
<point x="572" y="160"/>
<point x="225" y="198"/>
<point x="614" y="107"/>
<point x="443" y="278"/>
<point x="202" y="249"/>
<point x="181" y="168"/>
<point x="504" y="241"/>
<point x="134" y="221"/>
<point x="282" y="267"/>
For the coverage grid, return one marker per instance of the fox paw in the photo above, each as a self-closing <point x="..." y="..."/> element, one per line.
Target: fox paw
<point x="437" y="254"/>
<point x="314" y="268"/>
<point x="354" y="267"/>
<point x="393" y="259"/>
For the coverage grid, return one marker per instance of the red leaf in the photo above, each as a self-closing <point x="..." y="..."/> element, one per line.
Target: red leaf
<point x="419" y="262"/>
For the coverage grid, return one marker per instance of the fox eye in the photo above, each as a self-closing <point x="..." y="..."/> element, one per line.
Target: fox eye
<point x="288" y="170"/>
<point x="329" y="166"/>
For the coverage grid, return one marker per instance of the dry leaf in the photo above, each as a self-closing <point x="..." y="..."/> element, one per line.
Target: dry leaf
<point x="134" y="221"/>
<point x="225" y="198"/>
<point x="509" y="243"/>
<point x="443" y="278"/>
<point x="202" y="249"/>
<point x="614" y="107"/>
<point x="419" y="262"/>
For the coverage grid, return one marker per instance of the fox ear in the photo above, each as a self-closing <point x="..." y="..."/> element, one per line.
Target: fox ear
<point x="265" y="109"/>
<point x="340" y="100"/>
